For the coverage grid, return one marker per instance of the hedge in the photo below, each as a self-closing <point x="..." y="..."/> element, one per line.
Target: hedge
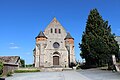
<point x="24" y="71"/>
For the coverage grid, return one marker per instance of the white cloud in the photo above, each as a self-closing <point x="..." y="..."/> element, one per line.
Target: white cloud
<point x="14" y="47"/>
<point x="11" y="43"/>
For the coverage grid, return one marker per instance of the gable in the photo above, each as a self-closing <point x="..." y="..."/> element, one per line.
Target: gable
<point x="55" y="29"/>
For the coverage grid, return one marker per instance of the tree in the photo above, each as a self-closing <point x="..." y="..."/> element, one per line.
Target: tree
<point x="29" y="65"/>
<point x="98" y="43"/>
<point x="22" y="63"/>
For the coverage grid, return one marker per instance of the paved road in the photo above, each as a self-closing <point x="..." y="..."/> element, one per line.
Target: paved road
<point x="96" y="74"/>
<point x="65" y="75"/>
<point x="91" y="74"/>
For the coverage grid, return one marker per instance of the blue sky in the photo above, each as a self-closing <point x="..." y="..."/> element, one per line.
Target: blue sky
<point x="22" y="20"/>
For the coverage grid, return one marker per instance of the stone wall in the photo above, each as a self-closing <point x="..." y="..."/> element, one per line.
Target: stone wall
<point x="45" y="50"/>
<point x="9" y="68"/>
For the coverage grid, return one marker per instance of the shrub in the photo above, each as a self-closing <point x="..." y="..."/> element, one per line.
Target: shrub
<point x="24" y="71"/>
<point x="9" y="73"/>
<point x="84" y="66"/>
<point x="72" y="64"/>
<point x="1" y="67"/>
<point x="29" y="65"/>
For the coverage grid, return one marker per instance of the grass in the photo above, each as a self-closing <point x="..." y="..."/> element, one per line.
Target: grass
<point x="25" y="71"/>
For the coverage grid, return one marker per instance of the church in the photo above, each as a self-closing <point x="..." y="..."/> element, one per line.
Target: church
<point x="54" y="47"/>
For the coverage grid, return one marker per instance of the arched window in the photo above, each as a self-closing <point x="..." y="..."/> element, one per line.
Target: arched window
<point x="51" y="30"/>
<point x="59" y="30"/>
<point x="55" y="30"/>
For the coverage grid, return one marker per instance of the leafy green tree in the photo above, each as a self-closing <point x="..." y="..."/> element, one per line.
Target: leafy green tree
<point x="98" y="43"/>
<point x="22" y="62"/>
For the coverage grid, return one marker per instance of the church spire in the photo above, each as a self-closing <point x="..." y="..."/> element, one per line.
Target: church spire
<point x="41" y="34"/>
<point x="69" y="36"/>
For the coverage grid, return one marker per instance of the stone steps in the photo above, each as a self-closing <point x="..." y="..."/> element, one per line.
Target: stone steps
<point x="51" y="69"/>
<point x="55" y="69"/>
<point x="67" y="69"/>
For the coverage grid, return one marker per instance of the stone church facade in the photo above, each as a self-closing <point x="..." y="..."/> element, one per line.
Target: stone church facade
<point x="54" y="47"/>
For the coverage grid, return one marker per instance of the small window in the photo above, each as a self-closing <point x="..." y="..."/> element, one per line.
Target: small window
<point x="59" y="30"/>
<point x="51" y="30"/>
<point x="55" y="30"/>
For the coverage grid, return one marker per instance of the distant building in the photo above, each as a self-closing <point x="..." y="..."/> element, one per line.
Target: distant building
<point x="54" y="47"/>
<point x="117" y="38"/>
<point x="10" y="63"/>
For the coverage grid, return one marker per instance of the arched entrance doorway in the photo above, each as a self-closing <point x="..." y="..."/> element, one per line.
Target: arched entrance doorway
<point x="55" y="60"/>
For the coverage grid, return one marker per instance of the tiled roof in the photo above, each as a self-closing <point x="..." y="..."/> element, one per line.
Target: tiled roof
<point x="41" y="34"/>
<point x="9" y="59"/>
<point x="34" y="49"/>
<point x="69" y="36"/>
